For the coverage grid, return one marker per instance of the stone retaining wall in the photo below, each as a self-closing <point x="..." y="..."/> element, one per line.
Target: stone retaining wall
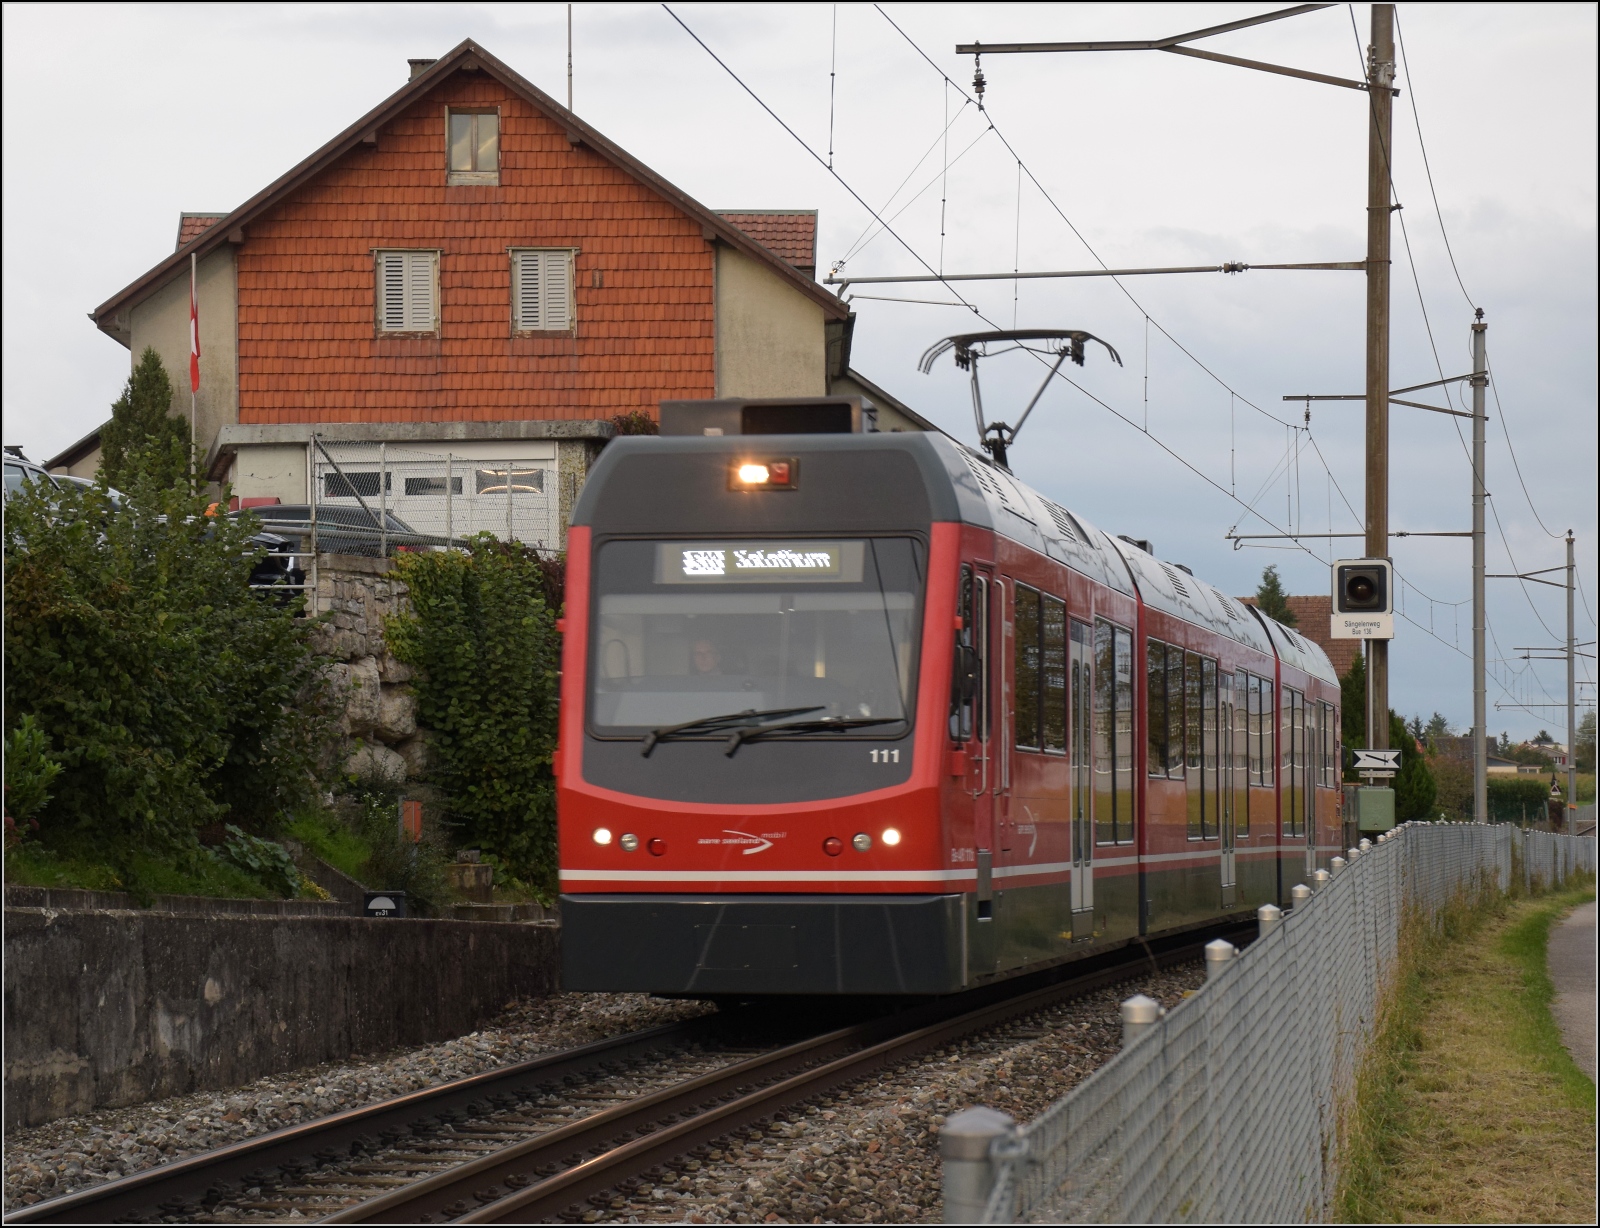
<point x="114" y="1007"/>
<point x="380" y="711"/>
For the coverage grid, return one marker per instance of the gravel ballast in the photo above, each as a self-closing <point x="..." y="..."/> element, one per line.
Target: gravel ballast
<point x="74" y="1153"/>
<point x="869" y="1153"/>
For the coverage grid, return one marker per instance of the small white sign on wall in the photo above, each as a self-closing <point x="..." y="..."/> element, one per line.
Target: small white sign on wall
<point x="1363" y="627"/>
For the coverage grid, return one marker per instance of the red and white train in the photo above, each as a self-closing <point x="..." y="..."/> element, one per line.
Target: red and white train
<point x="863" y="714"/>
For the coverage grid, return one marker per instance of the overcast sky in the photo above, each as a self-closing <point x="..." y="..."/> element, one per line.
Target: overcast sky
<point x="145" y="111"/>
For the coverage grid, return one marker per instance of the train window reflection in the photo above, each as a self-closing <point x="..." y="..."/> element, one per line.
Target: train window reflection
<point x="665" y="652"/>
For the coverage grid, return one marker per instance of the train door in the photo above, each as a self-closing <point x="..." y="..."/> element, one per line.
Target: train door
<point x="1080" y="697"/>
<point x="1224" y="761"/>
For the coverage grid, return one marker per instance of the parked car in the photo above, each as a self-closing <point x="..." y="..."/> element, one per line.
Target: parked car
<point x="340" y="529"/>
<point x="279" y="566"/>
<point x="20" y="471"/>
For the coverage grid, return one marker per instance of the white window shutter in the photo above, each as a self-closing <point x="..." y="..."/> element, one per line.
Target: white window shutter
<point x="392" y="290"/>
<point x="419" y="292"/>
<point x="407" y="292"/>
<point x="529" y="284"/>
<point x="557" y="291"/>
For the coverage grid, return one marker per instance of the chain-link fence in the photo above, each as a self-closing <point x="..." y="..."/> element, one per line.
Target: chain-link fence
<point x="1227" y="1110"/>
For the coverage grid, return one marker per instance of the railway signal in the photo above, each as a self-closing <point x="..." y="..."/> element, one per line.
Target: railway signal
<point x="1363" y="600"/>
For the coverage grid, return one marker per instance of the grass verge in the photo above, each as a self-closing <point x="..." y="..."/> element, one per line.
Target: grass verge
<point x="1470" y="1109"/>
<point x="31" y="865"/>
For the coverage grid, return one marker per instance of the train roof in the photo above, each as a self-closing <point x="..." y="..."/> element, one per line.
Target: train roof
<point x="964" y="484"/>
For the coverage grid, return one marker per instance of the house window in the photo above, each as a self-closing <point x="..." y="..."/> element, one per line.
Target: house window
<point x="474" y="147"/>
<point x="541" y="290"/>
<point x="408" y="298"/>
<point x="525" y="480"/>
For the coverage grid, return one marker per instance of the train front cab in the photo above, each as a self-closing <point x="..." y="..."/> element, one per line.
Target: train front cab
<point x="803" y="863"/>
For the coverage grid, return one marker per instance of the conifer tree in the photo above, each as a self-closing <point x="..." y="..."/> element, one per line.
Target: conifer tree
<point x="1272" y="600"/>
<point x="143" y="438"/>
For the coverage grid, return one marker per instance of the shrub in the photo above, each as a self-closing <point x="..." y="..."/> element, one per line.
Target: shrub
<point x="1515" y="799"/>
<point x="481" y="635"/>
<point x="1414" y="787"/>
<point x="266" y="861"/>
<point x="143" y="439"/>
<point x="30" y="770"/>
<point x="171" y="695"/>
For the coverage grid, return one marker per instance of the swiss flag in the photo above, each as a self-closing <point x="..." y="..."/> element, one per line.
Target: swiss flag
<point x="194" y="336"/>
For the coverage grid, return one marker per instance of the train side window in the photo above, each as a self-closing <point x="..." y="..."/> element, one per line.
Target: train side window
<point x="1292" y="733"/>
<point x="1123" y="733"/>
<point x="1155" y="668"/>
<point x="1241" y="754"/>
<point x="964" y="683"/>
<point x="1105" y="734"/>
<point x="1053" y="675"/>
<point x="1268" y="767"/>
<point x="1175" y="709"/>
<point x="1330" y="747"/>
<point x="1025" y="667"/>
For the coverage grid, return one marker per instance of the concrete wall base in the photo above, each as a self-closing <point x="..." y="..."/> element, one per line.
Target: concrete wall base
<point x="112" y="1008"/>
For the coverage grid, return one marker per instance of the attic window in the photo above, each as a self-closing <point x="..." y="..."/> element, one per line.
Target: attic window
<point x="473" y="153"/>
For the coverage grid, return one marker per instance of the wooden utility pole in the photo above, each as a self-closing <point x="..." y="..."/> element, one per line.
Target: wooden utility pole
<point x="1380" y="130"/>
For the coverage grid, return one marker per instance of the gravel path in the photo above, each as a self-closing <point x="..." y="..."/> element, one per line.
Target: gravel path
<point x="869" y="1153"/>
<point x="73" y="1153"/>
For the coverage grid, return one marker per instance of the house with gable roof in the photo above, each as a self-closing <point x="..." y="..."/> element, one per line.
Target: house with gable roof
<point x="471" y="273"/>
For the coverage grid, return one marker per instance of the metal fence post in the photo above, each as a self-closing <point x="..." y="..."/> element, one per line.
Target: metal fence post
<point x="966" y="1172"/>
<point x="1337" y="864"/>
<point x="1299" y="896"/>
<point x="1364" y="845"/>
<point x="1268" y="917"/>
<point x="1352" y="854"/>
<point x="1320" y="879"/>
<point x="449" y="501"/>
<point x="1139" y="1015"/>
<point x="1219" y="954"/>
<point x="383" y="500"/>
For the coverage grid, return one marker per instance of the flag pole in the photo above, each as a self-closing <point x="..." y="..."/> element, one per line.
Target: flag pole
<point x="194" y="358"/>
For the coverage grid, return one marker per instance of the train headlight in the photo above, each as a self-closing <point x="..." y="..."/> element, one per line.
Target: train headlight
<point x="861" y="842"/>
<point x="602" y="835"/>
<point x="769" y="473"/>
<point x="629" y="842"/>
<point x="891" y="836"/>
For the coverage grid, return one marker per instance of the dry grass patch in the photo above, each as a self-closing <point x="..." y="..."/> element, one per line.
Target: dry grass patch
<point x="1478" y="1114"/>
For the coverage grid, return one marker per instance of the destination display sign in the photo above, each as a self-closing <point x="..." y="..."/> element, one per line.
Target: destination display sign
<point x="758" y="562"/>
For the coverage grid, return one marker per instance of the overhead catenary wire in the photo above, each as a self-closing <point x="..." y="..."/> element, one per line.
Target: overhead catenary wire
<point x="1034" y="179"/>
<point x="884" y="225"/>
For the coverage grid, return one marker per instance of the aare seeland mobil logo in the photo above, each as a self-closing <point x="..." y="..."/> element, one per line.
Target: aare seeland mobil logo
<point x="752" y="844"/>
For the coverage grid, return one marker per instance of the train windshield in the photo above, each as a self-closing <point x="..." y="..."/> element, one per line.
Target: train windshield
<point x="688" y="630"/>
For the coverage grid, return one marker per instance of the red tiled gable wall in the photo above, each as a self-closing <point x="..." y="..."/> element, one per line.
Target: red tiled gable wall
<point x="308" y="348"/>
<point x="790" y="236"/>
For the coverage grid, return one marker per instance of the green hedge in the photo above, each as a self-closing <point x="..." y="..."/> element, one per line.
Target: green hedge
<point x="170" y="695"/>
<point x="481" y="635"/>
<point x="1514" y="799"/>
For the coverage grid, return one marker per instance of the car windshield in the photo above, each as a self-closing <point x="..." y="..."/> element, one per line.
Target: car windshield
<point x="690" y="630"/>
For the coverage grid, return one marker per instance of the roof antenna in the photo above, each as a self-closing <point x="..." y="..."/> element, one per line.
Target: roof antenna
<point x="569" y="57"/>
<point x="996" y="438"/>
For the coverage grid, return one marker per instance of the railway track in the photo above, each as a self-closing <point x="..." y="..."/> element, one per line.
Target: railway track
<point x="507" y="1146"/>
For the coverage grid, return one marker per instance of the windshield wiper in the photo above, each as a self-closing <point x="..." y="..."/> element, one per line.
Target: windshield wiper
<point x="826" y="724"/>
<point x="710" y="723"/>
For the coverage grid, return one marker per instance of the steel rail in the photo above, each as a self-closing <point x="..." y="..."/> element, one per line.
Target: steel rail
<point x="535" y="1181"/>
<point x="140" y="1195"/>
